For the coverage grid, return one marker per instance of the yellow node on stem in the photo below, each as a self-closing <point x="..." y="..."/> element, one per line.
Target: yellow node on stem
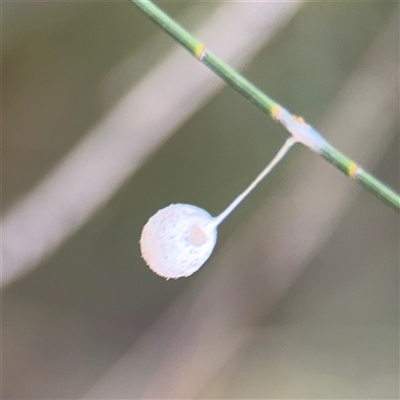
<point x="352" y="171"/>
<point x="275" y="112"/>
<point x="199" y="51"/>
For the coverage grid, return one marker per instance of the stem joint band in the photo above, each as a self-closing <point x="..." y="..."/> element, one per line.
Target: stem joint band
<point x="200" y="51"/>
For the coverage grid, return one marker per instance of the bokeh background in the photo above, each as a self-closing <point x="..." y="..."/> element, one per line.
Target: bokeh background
<point x="301" y="296"/>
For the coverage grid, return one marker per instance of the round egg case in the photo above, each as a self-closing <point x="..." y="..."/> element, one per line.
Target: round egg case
<point x="177" y="240"/>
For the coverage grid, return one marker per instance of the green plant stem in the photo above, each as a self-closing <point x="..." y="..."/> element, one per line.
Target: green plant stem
<point x="301" y="131"/>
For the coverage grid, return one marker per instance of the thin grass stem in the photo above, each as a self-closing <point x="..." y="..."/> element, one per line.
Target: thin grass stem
<point x="296" y="126"/>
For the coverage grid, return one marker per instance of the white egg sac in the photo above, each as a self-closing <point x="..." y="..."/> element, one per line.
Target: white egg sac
<point x="177" y="240"/>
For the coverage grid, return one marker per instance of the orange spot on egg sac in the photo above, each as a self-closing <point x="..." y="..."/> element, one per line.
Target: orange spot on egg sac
<point x="197" y="237"/>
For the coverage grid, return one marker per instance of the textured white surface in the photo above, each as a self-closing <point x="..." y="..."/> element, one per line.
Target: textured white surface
<point x="178" y="240"/>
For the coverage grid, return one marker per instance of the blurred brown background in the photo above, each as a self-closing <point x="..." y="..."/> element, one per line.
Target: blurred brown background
<point x="301" y="296"/>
